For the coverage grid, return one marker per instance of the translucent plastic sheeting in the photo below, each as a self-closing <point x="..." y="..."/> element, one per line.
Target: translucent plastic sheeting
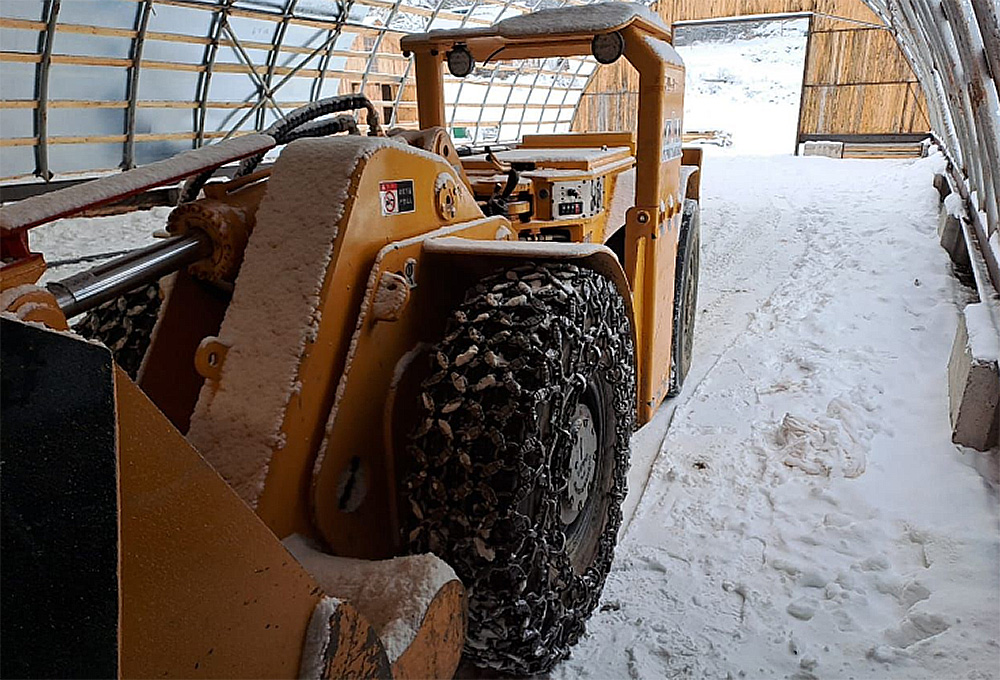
<point x="94" y="85"/>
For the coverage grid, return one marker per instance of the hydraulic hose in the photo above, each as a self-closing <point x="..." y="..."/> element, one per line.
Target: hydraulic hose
<point x="285" y="131"/>
<point x="315" y="128"/>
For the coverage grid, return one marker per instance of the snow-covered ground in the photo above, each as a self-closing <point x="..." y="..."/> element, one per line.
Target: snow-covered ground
<point x="65" y="242"/>
<point x="807" y="514"/>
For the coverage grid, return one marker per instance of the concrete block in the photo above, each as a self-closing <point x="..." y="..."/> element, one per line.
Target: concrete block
<point x="974" y="381"/>
<point x="942" y="185"/>
<point x="953" y="240"/>
<point x="828" y="149"/>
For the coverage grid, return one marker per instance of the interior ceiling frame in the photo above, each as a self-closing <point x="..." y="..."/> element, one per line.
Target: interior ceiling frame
<point x="272" y="57"/>
<point x="409" y="64"/>
<point x="219" y="21"/>
<point x="222" y="33"/>
<point x="461" y="84"/>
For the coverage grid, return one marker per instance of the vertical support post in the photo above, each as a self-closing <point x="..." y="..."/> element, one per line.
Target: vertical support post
<point x="42" y="91"/>
<point x="409" y="65"/>
<point x="430" y="88"/>
<point x="142" y="21"/>
<point x="649" y="136"/>
<point x="802" y="92"/>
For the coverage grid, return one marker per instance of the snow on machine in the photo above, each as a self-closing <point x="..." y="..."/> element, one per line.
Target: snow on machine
<point x="384" y="413"/>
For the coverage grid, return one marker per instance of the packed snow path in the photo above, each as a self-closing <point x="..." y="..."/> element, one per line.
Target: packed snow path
<point x="807" y="514"/>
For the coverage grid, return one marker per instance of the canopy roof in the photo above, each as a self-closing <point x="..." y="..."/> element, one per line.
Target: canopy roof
<point x="599" y="17"/>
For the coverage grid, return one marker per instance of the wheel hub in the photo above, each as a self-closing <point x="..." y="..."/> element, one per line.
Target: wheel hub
<point x="582" y="464"/>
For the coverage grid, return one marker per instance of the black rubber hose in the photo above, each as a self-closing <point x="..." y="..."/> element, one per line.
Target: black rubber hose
<point x="316" y="128"/>
<point x="323" y="107"/>
<point x="287" y="126"/>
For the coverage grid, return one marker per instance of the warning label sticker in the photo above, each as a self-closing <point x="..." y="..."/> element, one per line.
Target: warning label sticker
<point x="672" y="139"/>
<point x="396" y="197"/>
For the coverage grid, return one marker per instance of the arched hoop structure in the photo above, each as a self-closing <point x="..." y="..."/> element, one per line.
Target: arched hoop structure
<point x="90" y="87"/>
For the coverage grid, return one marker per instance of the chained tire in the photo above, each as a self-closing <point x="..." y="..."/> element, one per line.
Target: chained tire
<point x="685" y="295"/>
<point x="124" y="325"/>
<point x="520" y="457"/>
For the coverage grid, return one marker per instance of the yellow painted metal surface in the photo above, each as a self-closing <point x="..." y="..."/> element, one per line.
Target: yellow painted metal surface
<point x="40" y="306"/>
<point x="22" y="272"/>
<point x="577" y="139"/>
<point x="207" y="590"/>
<point x="653" y="224"/>
<point x="285" y="501"/>
<point x="352" y="459"/>
<point x="383" y="295"/>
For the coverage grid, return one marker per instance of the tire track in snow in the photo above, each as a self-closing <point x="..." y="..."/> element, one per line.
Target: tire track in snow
<point x="729" y="288"/>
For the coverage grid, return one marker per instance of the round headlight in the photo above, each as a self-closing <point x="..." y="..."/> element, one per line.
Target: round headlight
<point x="607" y="47"/>
<point x="460" y="61"/>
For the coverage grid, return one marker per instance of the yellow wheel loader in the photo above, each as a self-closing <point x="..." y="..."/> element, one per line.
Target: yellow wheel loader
<point x="384" y="412"/>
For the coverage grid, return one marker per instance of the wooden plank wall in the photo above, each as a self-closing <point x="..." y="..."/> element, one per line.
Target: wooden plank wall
<point x="383" y="93"/>
<point x="857" y="80"/>
<point x="858" y="83"/>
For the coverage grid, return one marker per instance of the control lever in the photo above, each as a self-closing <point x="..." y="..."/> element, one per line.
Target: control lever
<point x="497" y="203"/>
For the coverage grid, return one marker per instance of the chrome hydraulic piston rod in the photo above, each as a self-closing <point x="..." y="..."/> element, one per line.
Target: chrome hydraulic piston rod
<point x="86" y="290"/>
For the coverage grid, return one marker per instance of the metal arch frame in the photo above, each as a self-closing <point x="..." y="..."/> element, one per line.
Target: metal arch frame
<point x="265" y="94"/>
<point x="583" y="91"/>
<point x="42" y="92"/>
<point x="409" y="64"/>
<point x="479" y="119"/>
<point x="272" y="56"/>
<point x="288" y="76"/>
<point x="510" y="93"/>
<point x="527" y="101"/>
<point x="142" y="22"/>
<point x="461" y="83"/>
<point x="378" y="43"/>
<point x="562" y="104"/>
<point x="548" y="96"/>
<point x="221" y="15"/>
<point x="330" y="46"/>
<point x="968" y="136"/>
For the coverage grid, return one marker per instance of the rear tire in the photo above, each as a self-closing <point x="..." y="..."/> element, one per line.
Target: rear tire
<point x="685" y="295"/>
<point x="519" y="461"/>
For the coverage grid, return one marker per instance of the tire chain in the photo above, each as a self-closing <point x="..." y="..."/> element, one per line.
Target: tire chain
<point x="502" y="367"/>
<point x="124" y="325"/>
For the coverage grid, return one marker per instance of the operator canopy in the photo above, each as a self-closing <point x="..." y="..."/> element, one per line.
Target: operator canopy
<point x="592" y="19"/>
